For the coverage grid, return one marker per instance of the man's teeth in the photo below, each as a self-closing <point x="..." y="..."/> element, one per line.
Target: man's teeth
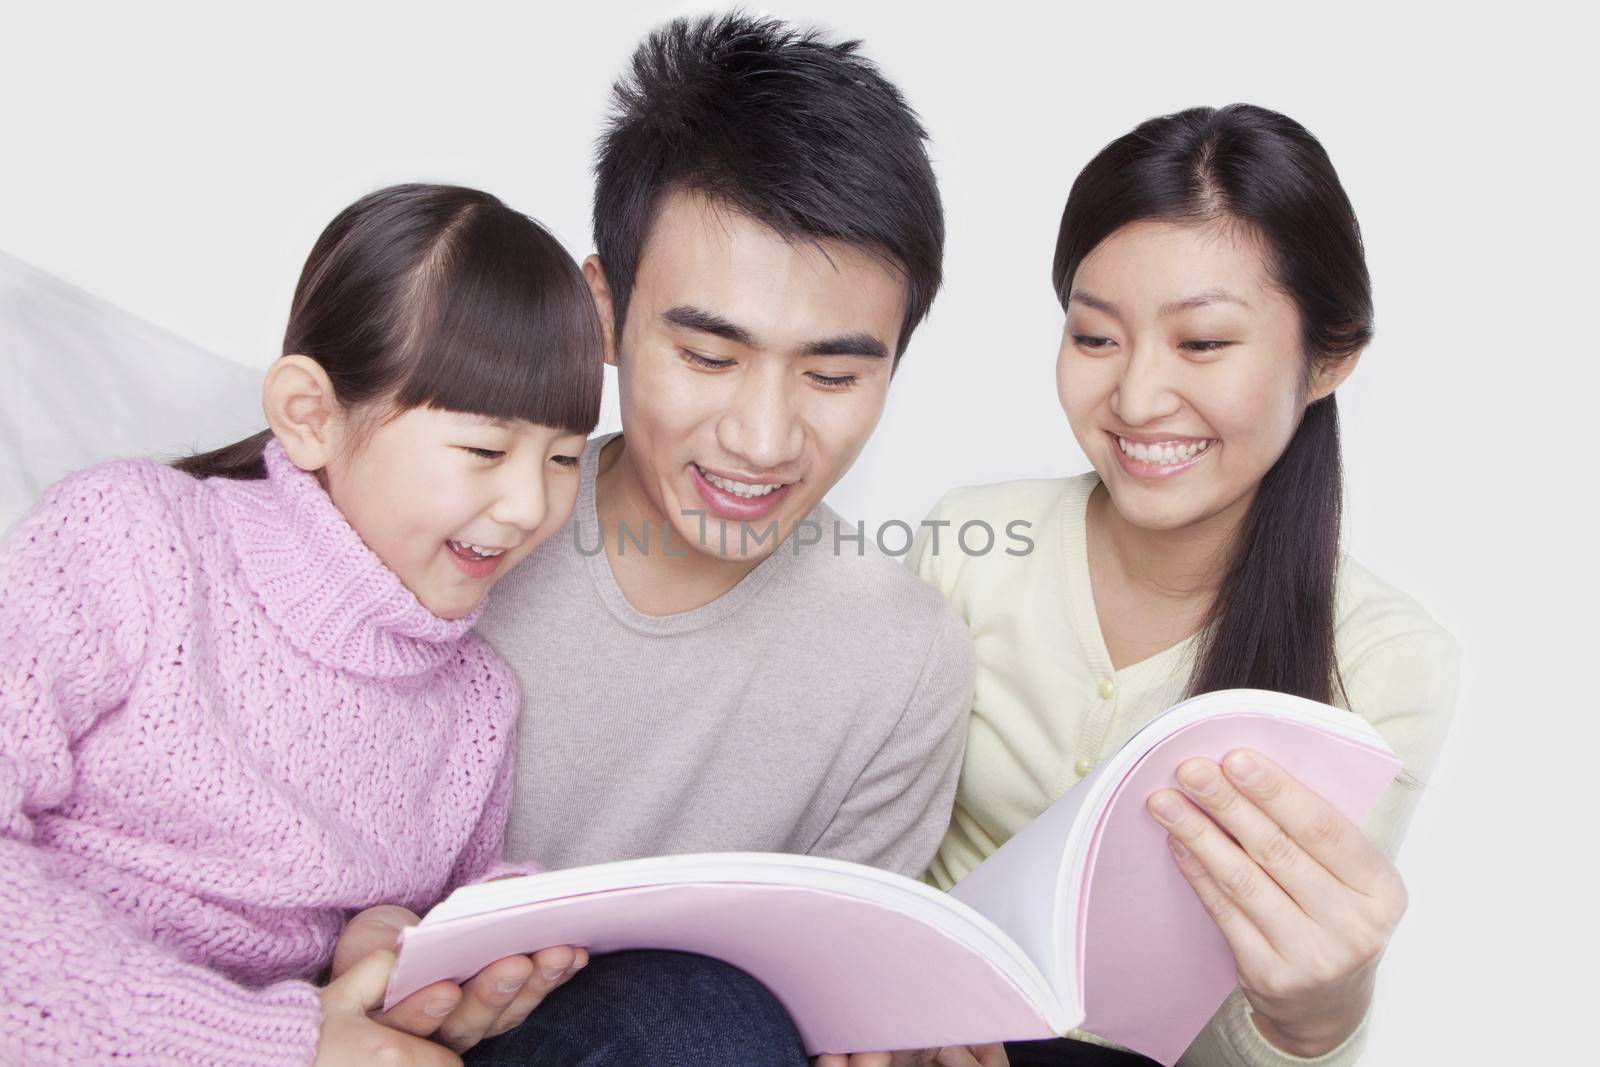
<point x="744" y="489"/>
<point x="476" y="550"/>
<point x="1162" y="453"/>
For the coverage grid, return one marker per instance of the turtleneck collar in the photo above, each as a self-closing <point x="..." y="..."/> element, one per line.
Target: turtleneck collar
<point x="333" y="597"/>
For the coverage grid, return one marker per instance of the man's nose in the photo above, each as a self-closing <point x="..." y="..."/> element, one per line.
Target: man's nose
<point x="763" y="428"/>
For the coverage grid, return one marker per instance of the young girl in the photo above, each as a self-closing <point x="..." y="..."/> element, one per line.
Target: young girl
<point x="240" y="699"/>
<point x="1216" y="294"/>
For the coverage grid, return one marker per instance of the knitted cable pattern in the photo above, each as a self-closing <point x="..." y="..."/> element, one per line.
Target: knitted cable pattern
<point x="225" y="725"/>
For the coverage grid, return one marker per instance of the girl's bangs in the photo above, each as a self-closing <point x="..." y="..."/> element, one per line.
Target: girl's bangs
<point x="507" y="329"/>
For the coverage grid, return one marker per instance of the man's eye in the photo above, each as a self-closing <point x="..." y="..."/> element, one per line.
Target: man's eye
<point x="703" y="361"/>
<point x="484" y="453"/>
<point x="1091" y="342"/>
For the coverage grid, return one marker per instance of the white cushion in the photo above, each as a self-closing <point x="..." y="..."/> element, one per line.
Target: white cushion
<point x="82" y="381"/>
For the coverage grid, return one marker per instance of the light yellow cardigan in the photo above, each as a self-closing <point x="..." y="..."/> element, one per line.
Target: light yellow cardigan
<point x="1048" y="705"/>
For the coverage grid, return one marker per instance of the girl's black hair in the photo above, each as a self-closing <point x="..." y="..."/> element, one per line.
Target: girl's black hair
<point x="440" y="296"/>
<point x="1270" y="625"/>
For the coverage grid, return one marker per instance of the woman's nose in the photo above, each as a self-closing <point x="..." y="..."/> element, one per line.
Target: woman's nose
<point x="1143" y="394"/>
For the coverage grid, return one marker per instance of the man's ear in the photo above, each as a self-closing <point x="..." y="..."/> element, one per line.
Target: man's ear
<point x="600" y="289"/>
<point x="302" y="411"/>
<point x="1330" y="374"/>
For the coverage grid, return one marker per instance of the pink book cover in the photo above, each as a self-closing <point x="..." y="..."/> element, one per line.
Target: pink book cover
<point x="866" y="960"/>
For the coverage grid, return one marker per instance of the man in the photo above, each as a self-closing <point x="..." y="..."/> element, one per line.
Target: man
<point x="710" y="658"/>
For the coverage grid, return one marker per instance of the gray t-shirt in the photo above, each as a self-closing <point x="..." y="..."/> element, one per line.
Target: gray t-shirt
<point x="820" y="706"/>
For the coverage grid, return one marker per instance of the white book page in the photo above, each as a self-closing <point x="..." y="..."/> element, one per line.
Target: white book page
<point x="907" y="896"/>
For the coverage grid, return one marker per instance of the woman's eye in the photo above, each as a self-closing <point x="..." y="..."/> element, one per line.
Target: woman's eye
<point x="702" y="361"/>
<point x="1204" y="346"/>
<point x="564" y="461"/>
<point x="834" y="381"/>
<point x="484" y="453"/>
<point x="1091" y="342"/>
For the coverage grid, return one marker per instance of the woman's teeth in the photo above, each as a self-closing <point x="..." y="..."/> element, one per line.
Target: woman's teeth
<point x="728" y="485"/>
<point x="1162" y="453"/>
<point x="466" y="548"/>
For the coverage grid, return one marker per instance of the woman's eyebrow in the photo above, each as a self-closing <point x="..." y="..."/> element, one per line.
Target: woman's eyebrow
<point x="1210" y="296"/>
<point x="1088" y="299"/>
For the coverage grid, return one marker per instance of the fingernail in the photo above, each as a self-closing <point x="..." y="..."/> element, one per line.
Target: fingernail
<point x="510" y="985"/>
<point x="551" y="973"/>
<point x="1200" y="776"/>
<point x="1177" y="848"/>
<point x="1244" y="768"/>
<point x="438" y="1009"/>
<point x="1166" y="806"/>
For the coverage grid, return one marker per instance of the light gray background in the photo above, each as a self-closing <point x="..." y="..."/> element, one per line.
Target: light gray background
<point x="178" y="160"/>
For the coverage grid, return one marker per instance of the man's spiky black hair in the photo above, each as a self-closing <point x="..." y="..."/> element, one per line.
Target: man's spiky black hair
<point x="800" y="133"/>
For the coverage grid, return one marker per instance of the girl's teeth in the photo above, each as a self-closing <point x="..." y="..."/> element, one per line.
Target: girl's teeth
<point x="728" y="485"/>
<point x="1163" y="454"/>
<point x="477" y="550"/>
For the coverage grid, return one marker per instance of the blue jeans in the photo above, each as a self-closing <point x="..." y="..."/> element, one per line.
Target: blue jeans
<point x="651" y="1009"/>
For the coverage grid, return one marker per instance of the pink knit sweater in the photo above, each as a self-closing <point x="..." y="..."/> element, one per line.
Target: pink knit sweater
<point x="225" y="725"/>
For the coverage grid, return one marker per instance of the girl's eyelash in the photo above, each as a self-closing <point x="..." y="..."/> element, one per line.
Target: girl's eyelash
<point x="565" y="461"/>
<point x="1206" y="346"/>
<point x="1085" y="339"/>
<point x="484" y="453"/>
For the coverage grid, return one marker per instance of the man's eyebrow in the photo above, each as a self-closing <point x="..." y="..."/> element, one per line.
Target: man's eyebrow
<point x="1210" y="296"/>
<point x="847" y="344"/>
<point x="699" y="319"/>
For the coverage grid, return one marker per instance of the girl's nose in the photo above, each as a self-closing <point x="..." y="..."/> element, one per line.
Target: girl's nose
<point x="522" y="503"/>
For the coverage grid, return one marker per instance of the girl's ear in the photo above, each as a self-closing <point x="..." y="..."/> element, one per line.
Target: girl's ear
<point x="595" y="275"/>
<point x="302" y="411"/>
<point x="1330" y="374"/>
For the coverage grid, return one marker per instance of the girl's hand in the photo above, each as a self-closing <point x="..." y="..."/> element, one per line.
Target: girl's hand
<point x="955" y="1056"/>
<point x="1306" y="902"/>
<point x="496" y="999"/>
<point x="350" y="1038"/>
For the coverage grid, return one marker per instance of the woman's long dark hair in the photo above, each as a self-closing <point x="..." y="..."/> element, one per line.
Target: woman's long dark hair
<point x="1270" y="625"/>
<point x="439" y="296"/>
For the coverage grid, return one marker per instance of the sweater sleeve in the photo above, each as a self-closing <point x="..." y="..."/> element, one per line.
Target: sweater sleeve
<point x="81" y="982"/>
<point x="482" y="858"/>
<point x="1402" y="679"/>
<point x="897" y="811"/>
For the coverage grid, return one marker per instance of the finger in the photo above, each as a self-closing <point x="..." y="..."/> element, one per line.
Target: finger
<point x="423" y="1012"/>
<point x="872" y="1059"/>
<point x="1252" y="894"/>
<point x="831" y="1059"/>
<point x="1252" y="952"/>
<point x="483" y="997"/>
<point x="1317" y="826"/>
<point x="991" y="1055"/>
<point x="956" y="1056"/>
<point x="363" y="986"/>
<point x="373" y="930"/>
<point x="534" y="992"/>
<point x="1308" y="883"/>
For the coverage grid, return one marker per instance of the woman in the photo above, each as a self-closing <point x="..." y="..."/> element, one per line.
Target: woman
<point x="1216" y="294"/>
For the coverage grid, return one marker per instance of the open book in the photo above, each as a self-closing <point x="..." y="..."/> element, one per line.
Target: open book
<point x="1082" y="920"/>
